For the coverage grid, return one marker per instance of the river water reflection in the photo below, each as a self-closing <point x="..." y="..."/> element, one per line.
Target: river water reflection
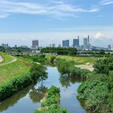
<point x="27" y="100"/>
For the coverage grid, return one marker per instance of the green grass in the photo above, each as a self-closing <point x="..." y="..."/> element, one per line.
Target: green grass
<point x="78" y="60"/>
<point x="21" y="66"/>
<point x="6" y="58"/>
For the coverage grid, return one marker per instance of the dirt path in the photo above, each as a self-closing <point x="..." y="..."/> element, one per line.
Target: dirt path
<point x="14" y="60"/>
<point x="1" y="59"/>
<point x="86" y="66"/>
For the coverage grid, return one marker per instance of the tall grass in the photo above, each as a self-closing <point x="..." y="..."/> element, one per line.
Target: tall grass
<point x="66" y="67"/>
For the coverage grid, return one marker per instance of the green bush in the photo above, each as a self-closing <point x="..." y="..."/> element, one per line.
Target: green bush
<point x="104" y="65"/>
<point x="38" y="71"/>
<point x="52" y="103"/>
<point x="9" y="87"/>
<point x="95" y="93"/>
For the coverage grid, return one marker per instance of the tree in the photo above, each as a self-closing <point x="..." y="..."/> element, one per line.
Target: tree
<point x="38" y="72"/>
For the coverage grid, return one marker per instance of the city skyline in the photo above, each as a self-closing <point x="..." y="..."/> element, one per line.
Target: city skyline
<point x="52" y="20"/>
<point x="86" y="43"/>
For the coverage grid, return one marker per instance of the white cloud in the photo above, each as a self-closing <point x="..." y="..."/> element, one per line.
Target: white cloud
<point x="106" y="2"/>
<point x="56" y="8"/>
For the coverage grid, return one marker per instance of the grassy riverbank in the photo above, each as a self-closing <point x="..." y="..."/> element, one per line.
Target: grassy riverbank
<point x="51" y="103"/>
<point x="18" y="75"/>
<point x="19" y="67"/>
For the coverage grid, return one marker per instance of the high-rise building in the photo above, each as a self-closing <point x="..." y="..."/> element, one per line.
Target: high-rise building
<point x="65" y="43"/>
<point x="86" y="43"/>
<point x="76" y="42"/>
<point x="109" y="47"/>
<point x="5" y="45"/>
<point x="35" y="44"/>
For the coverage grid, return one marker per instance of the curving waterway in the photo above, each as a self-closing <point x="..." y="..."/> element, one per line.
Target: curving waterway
<point x="27" y="100"/>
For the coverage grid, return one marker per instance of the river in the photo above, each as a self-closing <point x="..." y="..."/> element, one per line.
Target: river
<point x="27" y="100"/>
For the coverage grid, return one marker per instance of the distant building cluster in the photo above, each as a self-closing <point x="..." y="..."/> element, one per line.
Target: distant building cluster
<point x="65" y="44"/>
<point x="76" y="43"/>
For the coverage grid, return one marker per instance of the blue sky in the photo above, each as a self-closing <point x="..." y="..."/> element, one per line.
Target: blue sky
<point x="51" y="19"/>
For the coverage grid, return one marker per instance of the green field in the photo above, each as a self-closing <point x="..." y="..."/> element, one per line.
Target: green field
<point x="6" y="58"/>
<point x="78" y="60"/>
<point x="19" y="67"/>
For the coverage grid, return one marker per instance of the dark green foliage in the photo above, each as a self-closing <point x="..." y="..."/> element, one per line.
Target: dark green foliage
<point x="38" y="72"/>
<point x="104" y="65"/>
<point x="110" y="99"/>
<point x="60" y="51"/>
<point x="52" y="103"/>
<point x="95" y="93"/>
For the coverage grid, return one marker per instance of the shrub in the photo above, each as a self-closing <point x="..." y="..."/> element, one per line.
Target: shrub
<point x="38" y="71"/>
<point x="95" y="93"/>
<point x="52" y="103"/>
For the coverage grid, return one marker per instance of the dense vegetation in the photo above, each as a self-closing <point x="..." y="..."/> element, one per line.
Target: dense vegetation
<point x="52" y="102"/>
<point x="104" y="65"/>
<point x="60" y="50"/>
<point x="65" y="67"/>
<point x="97" y="90"/>
<point x="38" y="72"/>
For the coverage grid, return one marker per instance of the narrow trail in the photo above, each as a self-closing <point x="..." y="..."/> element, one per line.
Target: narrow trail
<point x="1" y="59"/>
<point x="14" y="60"/>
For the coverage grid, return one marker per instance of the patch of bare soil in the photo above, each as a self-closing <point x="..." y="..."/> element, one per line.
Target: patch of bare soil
<point x="87" y="66"/>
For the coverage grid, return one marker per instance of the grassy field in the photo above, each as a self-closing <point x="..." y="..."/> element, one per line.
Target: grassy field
<point x="19" y="67"/>
<point x="78" y="60"/>
<point x="6" y="58"/>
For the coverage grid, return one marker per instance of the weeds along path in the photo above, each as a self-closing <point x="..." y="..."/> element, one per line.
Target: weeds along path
<point x="14" y="60"/>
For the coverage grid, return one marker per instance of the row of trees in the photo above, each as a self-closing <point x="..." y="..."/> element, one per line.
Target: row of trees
<point x="59" y="50"/>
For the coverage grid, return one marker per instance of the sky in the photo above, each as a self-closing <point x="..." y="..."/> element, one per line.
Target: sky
<point x="51" y="21"/>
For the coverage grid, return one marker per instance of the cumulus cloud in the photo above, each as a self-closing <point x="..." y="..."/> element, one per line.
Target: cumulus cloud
<point x="56" y="8"/>
<point x="98" y="35"/>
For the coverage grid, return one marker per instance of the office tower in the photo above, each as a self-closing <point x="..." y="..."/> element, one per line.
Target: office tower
<point x="86" y="43"/>
<point x="109" y="47"/>
<point x="65" y="43"/>
<point x="76" y="42"/>
<point x="5" y="46"/>
<point x="35" y="44"/>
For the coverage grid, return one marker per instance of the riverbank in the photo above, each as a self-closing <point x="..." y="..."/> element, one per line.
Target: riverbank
<point x="18" y="74"/>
